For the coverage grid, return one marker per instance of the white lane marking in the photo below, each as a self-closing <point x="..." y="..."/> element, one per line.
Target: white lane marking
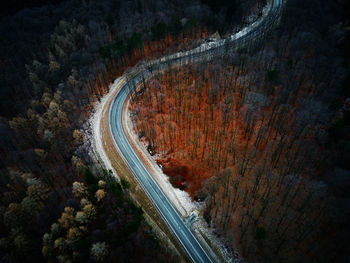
<point x="143" y="175"/>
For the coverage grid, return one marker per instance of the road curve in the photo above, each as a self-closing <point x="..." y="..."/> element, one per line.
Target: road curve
<point x="149" y="186"/>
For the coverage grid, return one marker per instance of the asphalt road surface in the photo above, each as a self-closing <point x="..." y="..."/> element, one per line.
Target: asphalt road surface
<point x="157" y="197"/>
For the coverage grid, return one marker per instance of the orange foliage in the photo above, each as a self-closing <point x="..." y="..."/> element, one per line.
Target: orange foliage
<point x="243" y="150"/>
<point x="149" y="50"/>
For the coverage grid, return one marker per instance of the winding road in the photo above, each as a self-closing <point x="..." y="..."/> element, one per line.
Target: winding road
<point x="115" y="107"/>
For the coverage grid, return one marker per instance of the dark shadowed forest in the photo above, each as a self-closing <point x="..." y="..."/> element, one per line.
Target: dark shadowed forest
<point x="56" y="59"/>
<point x="260" y="138"/>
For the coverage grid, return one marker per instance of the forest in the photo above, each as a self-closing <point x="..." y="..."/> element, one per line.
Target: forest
<point x="57" y="58"/>
<point x="260" y="138"/>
